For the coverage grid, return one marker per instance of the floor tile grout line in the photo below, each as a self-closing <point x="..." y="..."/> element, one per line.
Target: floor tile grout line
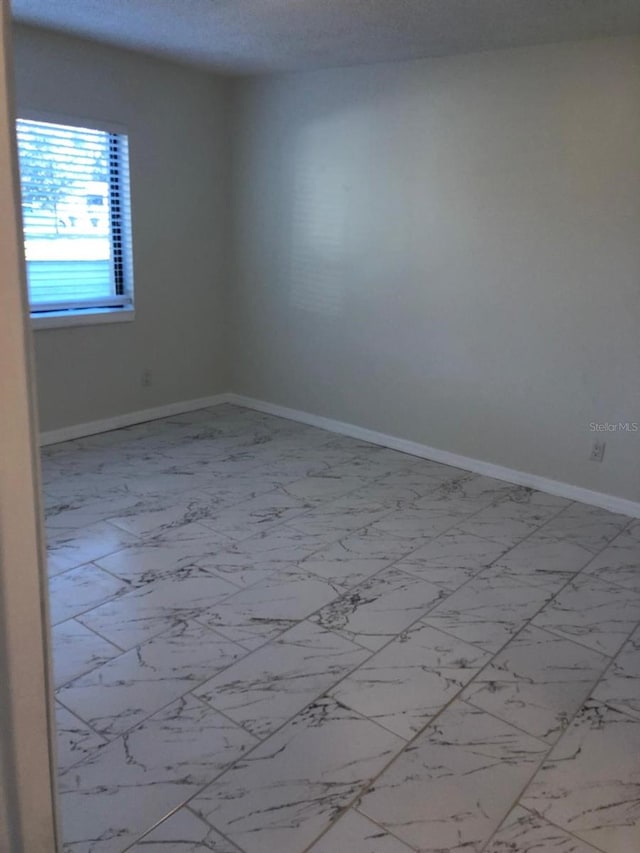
<point x="434" y="538"/>
<point x="464" y="476"/>
<point x="166" y="629"/>
<point x="295" y="565"/>
<point x="424" y="615"/>
<point x="394" y="637"/>
<point x="163" y="707"/>
<point x="181" y="618"/>
<point x="568" y="726"/>
<point x="529" y="622"/>
<point x="607" y="582"/>
<point x="205" y="625"/>
<point x="521" y="629"/>
<point x="217" y="575"/>
<point x="87" y="562"/>
<point x="613" y="707"/>
<point x="91" y="729"/>
<point x="110" y="598"/>
<point x="353" y="806"/>
<point x="114" y="576"/>
<point x="137" y="585"/>
<point x="146" y="537"/>
<point x="340" y="596"/>
<point x="280" y="487"/>
<point x="435" y="488"/>
<point x="121" y="735"/>
<point x="517" y="801"/>
<point x="110" y="519"/>
<point x="261" y="742"/>
<point x="530" y="778"/>
<point x="569" y="580"/>
<point x="98" y="634"/>
<point x="504" y="554"/>
<point x="489" y="662"/>
<point x="407" y="742"/>
<point x="444" y="598"/>
<point x="368" y="578"/>
<point x="390" y="832"/>
<point x="270" y="574"/>
<point x="276" y="523"/>
<point x="570" y="639"/>
<point x="187" y="803"/>
<point x="78" y="675"/>
<point x="175" y="622"/>
<point x="209" y="706"/>
<point x="391" y="640"/>
<point x="404" y="555"/>
<point x="118" y="648"/>
<point x="431" y="722"/>
<point x="353" y="809"/>
<point x="372" y="653"/>
<point x="206" y="822"/>
<point x="255" y="746"/>
<point x="323" y="694"/>
<point x="355" y="801"/>
<point x="500" y="719"/>
<point x="200" y="621"/>
<point x="551" y="823"/>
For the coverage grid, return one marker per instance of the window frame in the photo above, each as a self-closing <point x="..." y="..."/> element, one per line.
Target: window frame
<point x="93" y="315"/>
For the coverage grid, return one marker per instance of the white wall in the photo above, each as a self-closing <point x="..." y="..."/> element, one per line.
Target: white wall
<point x="449" y="251"/>
<point x="178" y="138"/>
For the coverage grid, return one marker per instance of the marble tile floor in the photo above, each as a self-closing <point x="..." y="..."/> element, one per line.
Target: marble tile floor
<point x="272" y="639"/>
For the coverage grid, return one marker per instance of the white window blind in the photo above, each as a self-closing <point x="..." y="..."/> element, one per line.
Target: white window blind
<point x="75" y="205"/>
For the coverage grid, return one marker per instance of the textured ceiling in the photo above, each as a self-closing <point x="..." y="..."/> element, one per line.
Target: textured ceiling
<point x="245" y="36"/>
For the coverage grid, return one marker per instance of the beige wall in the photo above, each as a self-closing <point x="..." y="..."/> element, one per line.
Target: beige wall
<point x="449" y="251"/>
<point x="27" y="821"/>
<point x="178" y="138"/>
<point x="444" y="250"/>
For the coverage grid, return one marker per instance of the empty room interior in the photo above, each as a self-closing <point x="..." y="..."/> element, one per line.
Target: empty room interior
<point x="333" y="309"/>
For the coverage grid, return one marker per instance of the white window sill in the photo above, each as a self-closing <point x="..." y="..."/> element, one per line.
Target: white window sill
<point x="96" y="317"/>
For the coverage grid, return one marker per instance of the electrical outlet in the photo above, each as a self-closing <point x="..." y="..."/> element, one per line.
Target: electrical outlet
<point x="597" y="451"/>
<point x="147" y="378"/>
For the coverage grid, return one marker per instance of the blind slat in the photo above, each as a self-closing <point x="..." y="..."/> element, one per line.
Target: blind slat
<point x="75" y="204"/>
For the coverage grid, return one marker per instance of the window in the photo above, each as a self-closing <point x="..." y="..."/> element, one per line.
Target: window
<point x="77" y="230"/>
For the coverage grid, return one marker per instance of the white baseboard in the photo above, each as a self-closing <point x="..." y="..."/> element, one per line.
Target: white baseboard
<point x="477" y="466"/>
<point x="55" y="436"/>
<point x="414" y="448"/>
